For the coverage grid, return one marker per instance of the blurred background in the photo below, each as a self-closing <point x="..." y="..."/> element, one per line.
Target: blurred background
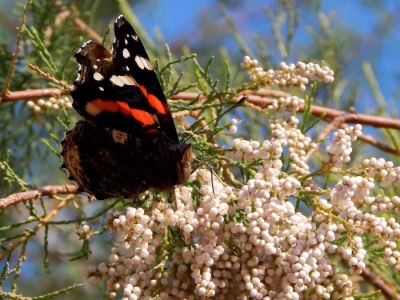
<point x="359" y="39"/>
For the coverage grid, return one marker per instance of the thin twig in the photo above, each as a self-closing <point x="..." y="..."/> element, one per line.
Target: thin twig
<point x="50" y="78"/>
<point x="14" y="59"/>
<point x="28" y="233"/>
<point x="377" y="282"/>
<point x="47" y="190"/>
<point x="335" y="123"/>
<point x="79" y="23"/>
<point x="13" y="296"/>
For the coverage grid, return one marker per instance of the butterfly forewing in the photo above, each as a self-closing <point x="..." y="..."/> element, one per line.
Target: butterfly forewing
<point x="106" y="94"/>
<point x="130" y="56"/>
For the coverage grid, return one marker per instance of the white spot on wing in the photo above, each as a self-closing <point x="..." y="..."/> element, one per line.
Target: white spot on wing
<point x="83" y="45"/>
<point x="127" y="68"/>
<point x="143" y="63"/>
<point x="97" y="76"/>
<point x="125" y="53"/>
<point x="86" y="43"/>
<point x="117" y="81"/>
<point x="123" y="80"/>
<point x="135" y="37"/>
<point x="95" y="67"/>
<point x="139" y="62"/>
<point x="101" y="88"/>
<point x="128" y="80"/>
<point x="126" y="42"/>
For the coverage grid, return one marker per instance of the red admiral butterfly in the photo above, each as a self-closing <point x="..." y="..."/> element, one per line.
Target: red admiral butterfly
<point x="128" y="142"/>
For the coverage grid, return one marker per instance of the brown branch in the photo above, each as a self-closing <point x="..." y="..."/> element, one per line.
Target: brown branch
<point x="79" y="23"/>
<point x="377" y="282"/>
<point x="384" y="147"/>
<point x="260" y="101"/>
<point x="47" y="190"/>
<point x="331" y="113"/>
<point x="32" y="94"/>
<point x="318" y="111"/>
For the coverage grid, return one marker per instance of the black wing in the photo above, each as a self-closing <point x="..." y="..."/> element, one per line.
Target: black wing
<point x="129" y="54"/>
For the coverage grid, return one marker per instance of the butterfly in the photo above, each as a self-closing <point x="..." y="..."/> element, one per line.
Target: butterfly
<point x="127" y="142"/>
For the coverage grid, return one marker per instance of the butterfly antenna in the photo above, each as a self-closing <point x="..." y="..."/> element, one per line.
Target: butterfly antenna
<point x="217" y="118"/>
<point x="210" y="168"/>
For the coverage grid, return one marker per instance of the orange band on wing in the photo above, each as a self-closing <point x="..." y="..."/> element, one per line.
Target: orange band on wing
<point x="97" y="106"/>
<point x="142" y="116"/>
<point x="124" y="108"/>
<point x="159" y="106"/>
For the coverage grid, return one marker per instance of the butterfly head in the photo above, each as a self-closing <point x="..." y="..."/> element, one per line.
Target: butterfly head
<point x="184" y="165"/>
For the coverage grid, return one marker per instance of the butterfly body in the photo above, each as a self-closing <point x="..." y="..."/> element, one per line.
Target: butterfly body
<point x="118" y="94"/>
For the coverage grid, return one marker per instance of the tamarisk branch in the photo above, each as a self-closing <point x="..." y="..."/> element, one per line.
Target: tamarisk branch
<point x="47" y="190"/>
<point x="31" y="94"/>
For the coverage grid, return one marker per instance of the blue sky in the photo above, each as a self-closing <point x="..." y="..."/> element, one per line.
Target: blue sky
<point x="382" y="49"/>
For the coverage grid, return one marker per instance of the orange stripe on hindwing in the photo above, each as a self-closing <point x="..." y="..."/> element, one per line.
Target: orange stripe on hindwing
<point x="156" y="103"/>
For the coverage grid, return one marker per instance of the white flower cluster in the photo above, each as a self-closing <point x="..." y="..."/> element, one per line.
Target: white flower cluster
<point x="297" y="75"/>
<point x="339" y="150"/>
<point x="249" y="243"/>
<point x="233" y="126"/>
<point x="352" y="202"/>
<point x="383" y="171"/>
<point x="350" y="191"/>
<point x="83" y="231"/>
<point x="298" y="144"/>
<point x="254" y="241"/>
<point x="258" y="248"/>
<point x="252" y="150"/>
<point x="290" y="103"/>
<point x="52" y="103"/>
